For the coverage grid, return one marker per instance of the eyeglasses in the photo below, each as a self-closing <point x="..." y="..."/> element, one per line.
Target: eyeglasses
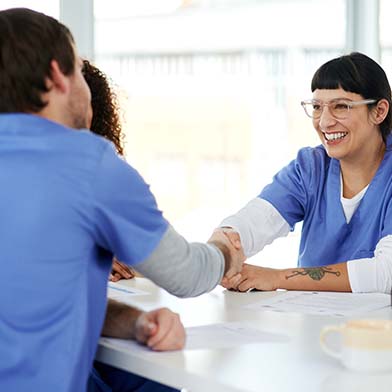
<point x="339" y="108"/>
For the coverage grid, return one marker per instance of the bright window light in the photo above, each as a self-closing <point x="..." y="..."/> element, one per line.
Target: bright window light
<point x="49" y="7"/>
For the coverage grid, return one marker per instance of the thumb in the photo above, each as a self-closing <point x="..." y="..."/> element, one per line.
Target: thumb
<point x="151" y="328"/>
<point x="234" y="238"/>
<point x="144" y="328"/>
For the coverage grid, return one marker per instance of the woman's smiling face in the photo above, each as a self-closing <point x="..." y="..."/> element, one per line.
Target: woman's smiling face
<point x="348" y="138"/>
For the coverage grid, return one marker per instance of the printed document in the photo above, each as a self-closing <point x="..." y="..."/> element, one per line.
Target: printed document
<point x="227" y="335"/>
<point x="323" y="303"/>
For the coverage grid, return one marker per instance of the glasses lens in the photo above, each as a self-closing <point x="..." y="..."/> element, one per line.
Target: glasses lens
<point x="339" y="109"/>
<point x="312" y="109"/>
<point x="308" y="108"/>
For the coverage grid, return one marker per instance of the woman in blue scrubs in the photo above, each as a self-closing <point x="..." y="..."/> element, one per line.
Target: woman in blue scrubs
<point x="340" y="190"/>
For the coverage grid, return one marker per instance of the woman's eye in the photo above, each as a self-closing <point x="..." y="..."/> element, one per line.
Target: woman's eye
<point x="341" y="106"/>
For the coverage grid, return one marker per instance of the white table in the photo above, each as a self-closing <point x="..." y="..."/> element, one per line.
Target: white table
<point x="296" y="365"/>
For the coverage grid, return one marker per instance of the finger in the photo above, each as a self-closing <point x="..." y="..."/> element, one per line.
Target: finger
<point x="171" y="333"/>
<point x="234" y="238"/>
<point x="233" y="282"/>
<point x="246" y="285"/>
<point x="122" y="269"/>
<point x="144" y="328"/>
<point x="231" y="274"/>
<point x="164" y="327"/>
<point x="174" y="339"/>
<point x="225" y="282"/>
<point x="236" y="280"/>
<point x="116" y="277"/>
<point x="150" y="329"/>
<point x="131" y="272"/>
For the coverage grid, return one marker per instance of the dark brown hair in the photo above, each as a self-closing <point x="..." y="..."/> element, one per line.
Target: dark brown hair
<point x="106" y="117"/>
<point x="29" y="41"/>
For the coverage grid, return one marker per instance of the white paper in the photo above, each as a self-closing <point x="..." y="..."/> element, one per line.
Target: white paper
<point x="122" y="293"/>
<point x="227" y="335"/>
<point x="207" y="337"/>
<point x="323" y="303"/>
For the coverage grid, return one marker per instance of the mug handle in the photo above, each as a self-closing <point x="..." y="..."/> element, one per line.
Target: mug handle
<point x="324" y="332"/>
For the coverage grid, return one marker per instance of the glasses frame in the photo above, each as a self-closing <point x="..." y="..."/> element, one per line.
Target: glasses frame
<point x="350" y="105"/>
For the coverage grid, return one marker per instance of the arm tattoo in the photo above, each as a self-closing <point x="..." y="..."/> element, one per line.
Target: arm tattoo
<point x="314" y="273"/>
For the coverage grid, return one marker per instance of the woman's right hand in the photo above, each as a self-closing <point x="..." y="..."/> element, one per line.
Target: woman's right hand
<point x="120" y="271"/>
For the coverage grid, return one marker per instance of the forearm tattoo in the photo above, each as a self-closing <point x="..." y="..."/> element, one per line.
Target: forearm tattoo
<point x="314" y="273"/>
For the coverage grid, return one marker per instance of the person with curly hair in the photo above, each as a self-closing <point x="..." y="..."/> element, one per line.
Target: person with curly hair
<point x="106" y="121"/>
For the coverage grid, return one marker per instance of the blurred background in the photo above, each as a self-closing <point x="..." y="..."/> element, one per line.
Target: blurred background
<point x="211" y="89"/>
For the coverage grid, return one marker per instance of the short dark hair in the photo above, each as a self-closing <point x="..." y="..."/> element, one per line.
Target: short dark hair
<point x="106" y="113"/>
<point x="359" y="74"/>
<point x="29" y="41"/>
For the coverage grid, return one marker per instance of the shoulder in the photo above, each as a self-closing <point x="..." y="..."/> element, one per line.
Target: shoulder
<point x="312" y="156"/>
<point x="309" y="161"/>
<point x="84" y="154"/>
<point x="83" y="148"/>
<point x="84" y="139"/>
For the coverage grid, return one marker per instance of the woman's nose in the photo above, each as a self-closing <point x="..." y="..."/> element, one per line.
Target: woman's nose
<point x="326" y="119"/>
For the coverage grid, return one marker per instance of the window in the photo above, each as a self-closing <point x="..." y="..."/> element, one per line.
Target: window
<point x="213" y="93"/>
<point x="219" y="84"/>
<point x="386" y="37"/>
<point x="49" y="7"/>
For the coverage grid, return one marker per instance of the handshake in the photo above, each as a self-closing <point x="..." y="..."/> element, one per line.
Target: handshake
<point x="228" y="241"/>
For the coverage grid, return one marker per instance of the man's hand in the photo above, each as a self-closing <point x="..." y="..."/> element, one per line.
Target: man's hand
<point x="120" y="271"/>
<point x="160" y="329"/>
<point x="254" y="277"/>
<point x="233" y="236"/>
<point x="228" y="242"/>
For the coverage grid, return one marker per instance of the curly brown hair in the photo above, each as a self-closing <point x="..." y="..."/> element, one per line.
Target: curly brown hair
<point x="106" y="114"/>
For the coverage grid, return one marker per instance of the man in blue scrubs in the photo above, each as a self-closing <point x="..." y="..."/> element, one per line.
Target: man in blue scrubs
<point x="68" y="204"/>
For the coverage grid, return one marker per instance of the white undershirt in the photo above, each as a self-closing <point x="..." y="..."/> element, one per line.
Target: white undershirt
<point x="259" y="223"/>
<point x="350" y="205"/>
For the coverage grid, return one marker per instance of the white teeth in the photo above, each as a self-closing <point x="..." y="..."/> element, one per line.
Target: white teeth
<point x="335" y="136"/>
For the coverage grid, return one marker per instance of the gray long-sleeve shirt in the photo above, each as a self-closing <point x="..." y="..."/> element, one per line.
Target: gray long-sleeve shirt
<point x="182" y="268"/>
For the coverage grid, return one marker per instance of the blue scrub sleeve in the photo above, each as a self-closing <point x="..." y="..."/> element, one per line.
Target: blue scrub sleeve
<point x="128" y="222"/>
<point x="288" y="192"/>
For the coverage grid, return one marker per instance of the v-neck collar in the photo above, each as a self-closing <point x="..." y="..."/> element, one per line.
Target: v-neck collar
<point x="337" y="185"/>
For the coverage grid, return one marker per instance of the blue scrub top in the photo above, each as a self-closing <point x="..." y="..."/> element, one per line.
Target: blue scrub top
<point x="68" y="203"/>
<point x="308" y="190"/>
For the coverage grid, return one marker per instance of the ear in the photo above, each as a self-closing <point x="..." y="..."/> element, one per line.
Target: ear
<point x="57" y="79"/>
<point x="379" y="112"/>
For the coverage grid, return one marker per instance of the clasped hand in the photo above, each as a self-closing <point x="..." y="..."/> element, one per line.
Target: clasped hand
<point x="243" y="277"/>
<point x="229" y="242"/>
